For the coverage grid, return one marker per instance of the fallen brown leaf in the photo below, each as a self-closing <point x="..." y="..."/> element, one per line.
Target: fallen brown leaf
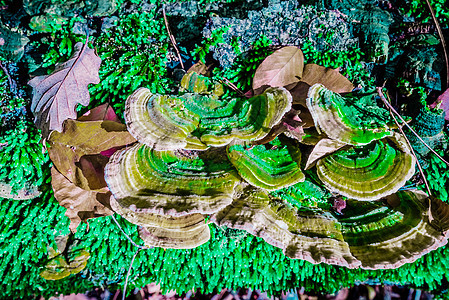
<point x="330" y="78"/>
<point x="80" y="139"/>
<point x="56" y="95"/>
<point x="81" y="204"/>
<point x="283" y="67"/>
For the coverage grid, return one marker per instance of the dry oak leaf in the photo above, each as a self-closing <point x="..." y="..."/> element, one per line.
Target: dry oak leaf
<point x="76" y="152"/>
<point x="56" y="95"/>
<point x="279" y="69"/>
<point x="81" y="204"/>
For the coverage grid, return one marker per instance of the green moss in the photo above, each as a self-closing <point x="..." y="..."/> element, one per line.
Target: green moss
<point x="222" y="262"/>
<point x="133" y="52"/>
<point x="22" y="160"/>
<point x="245" y="65"/>
<point x="348" y="61"/>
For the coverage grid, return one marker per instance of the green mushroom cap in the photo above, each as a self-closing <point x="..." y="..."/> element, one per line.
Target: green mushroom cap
<point x="270" y="166"/>
<point x="161" y="122"/>
<point x="368" y="172"/>
<point x="165" y="231"/>
<point x="367" y="235"/>
<point x="389" y="236"/>
<point x="309" y="235"/>
<point x="174" y="183"/>
<point x="351" y="119"/>
<point x="176" y="122"/>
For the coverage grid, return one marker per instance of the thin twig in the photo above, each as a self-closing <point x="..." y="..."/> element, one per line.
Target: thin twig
<point x="233" y="87"/>
<point x="116" y="295"/>
<point x="172" y="38"/>
<point x="129" y="271"/>
<point x="12" y="85"/>
<point x="408" y="126"/>
<point x="390" y="109"/>
<point x="127" y="236"/>
<point x="443" y="43"/>
<point x="139" y="248"/>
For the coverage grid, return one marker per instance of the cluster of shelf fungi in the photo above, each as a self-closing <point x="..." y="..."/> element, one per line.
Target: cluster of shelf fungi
<point x="202" y="155"/>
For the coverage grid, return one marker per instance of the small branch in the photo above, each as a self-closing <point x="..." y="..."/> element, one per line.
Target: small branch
<point x="379" y="90"/>
<point x="443" y="43"/>
<point x="127" y="236"/>
<point x="139" y="248"/>
<point x="233" y="87"/>
<point x="390" y="109"/>
<point x="172" y="38"/>
<point x="129" y="271"/>
<point x="12" y="85"/>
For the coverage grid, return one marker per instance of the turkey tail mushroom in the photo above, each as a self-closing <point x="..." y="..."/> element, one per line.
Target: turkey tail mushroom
<point x="171" y="182"/>
<point x="368" y="172"/>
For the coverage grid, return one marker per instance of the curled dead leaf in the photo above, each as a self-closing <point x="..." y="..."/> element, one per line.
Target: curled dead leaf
<point x="73" y="150"/>
<point x="322" y="148"/>
<point x="103" y="112"/>
<point x="81" y="204"/>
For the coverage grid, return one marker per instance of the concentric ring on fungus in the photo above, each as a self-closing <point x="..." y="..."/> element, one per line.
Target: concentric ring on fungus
<point x="368" y="172"/>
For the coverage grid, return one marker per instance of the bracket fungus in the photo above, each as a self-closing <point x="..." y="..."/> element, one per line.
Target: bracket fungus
<point x="372" y="236"/>
<point x="194" y="82"/>
<point x="174" y="122"/>
<point x="368" y="172"/>
<point x="185" y="238"/>
<point x="171" y="182"/>
<point x="165" y="231"/>
<point x="393" y="235"/>
<point x="313" y="237"/>
<point x="270" y="166"/>
<point x="350" y="119"/>
<point x="181" y="172"/>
